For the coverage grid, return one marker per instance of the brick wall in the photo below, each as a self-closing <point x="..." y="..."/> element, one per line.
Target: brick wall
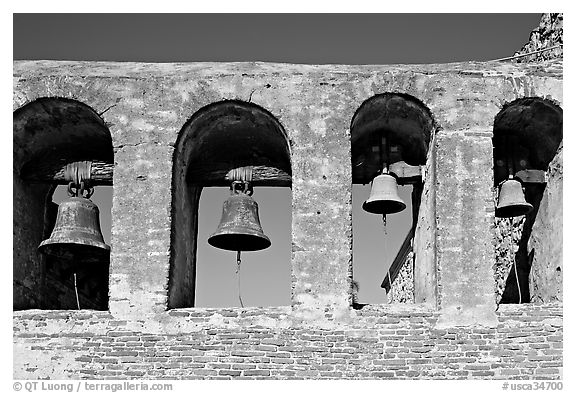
<point x="396" y="342"/>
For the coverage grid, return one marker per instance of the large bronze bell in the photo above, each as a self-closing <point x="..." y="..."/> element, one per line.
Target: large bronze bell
<point x="76" y="235"/>
<point x="239" y="228"/>
<point x="384" y="197"/>
<point x="511" y="201"/>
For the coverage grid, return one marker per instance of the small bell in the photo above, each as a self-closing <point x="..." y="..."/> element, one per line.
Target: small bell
<point x="239" y="228"/>
<point x="384" y="197"/>
<point x="76" y="235"/>
<point x="511" y="201"/>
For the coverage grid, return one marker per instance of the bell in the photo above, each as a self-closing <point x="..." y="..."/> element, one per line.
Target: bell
<point x="76" y="235"/>
<point x="511" y="202"/>
<point x="384" y="197"/>
<point x="239" y="228"/>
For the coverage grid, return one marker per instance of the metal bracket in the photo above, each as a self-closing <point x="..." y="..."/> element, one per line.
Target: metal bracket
<point x="532" y="176"/>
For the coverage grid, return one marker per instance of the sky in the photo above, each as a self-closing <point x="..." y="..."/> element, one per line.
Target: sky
<point x="288" y="38"/>
<point x="291" y="38"/>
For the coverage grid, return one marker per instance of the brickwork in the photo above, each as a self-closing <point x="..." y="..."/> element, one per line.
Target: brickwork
<point x="376" y="342"/>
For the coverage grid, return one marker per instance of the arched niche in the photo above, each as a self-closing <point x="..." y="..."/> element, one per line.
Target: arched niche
<point x="405" y="121"/>
<point x="218" y="138"/>
<point x="407" y="126"/>
<point x="49" y="133"/>
<point x="527" y="132"/>
<point x="526" y="137"/>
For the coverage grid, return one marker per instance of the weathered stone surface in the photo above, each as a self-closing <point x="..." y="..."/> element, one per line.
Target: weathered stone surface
<point x="546" y="274"/>
<point x="464" y="214"/>
<point x="548" y="34"/>
<point x="424" y="245"/>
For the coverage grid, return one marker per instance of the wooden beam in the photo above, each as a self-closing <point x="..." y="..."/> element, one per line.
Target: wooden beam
<point x="532" y="176"/>
<point x="398" y="262"/>
<point x="53" y="172"/>
<point x="261" y="176"/>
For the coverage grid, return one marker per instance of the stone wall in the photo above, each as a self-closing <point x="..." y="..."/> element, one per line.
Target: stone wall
<point x="550" y="33"/>
<point x="546" y="275"/>
<point x="508" y="235"/>
<point x="402" y="288"/>
<point x="376" y="342"/>
<point x="145" y="107"/>
<point x="425" y="268"/>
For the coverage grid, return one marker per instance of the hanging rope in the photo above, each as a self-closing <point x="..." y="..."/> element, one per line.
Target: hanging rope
<point x="385" y="171"/>
<point x="527" y="54"/>
<point x="513" y="254"/>
<point x="384" y="249"/>
<point x="243" y="175"/>
<point x="384" y="225"/>
<point x="238" y="261"/>
<point x="76" y="290"/>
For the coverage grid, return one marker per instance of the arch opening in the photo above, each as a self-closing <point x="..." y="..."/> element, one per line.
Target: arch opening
<point x="527" y="137"/>
<point x="394" y="131"/>
<point x="219" y="139"/>
<point x="50" y="133"/>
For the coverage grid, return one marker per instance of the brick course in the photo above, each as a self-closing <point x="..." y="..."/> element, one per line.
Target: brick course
<point x="503" y="352"/>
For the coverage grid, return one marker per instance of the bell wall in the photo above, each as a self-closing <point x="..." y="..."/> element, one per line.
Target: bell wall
<point x="454" y="329"/>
